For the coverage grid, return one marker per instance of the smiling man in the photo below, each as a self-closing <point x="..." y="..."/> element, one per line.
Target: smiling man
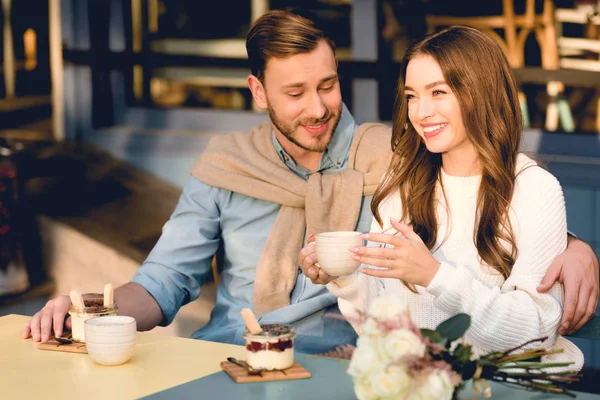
<point x="256" y="196"/>
<point x="259" y="193"/>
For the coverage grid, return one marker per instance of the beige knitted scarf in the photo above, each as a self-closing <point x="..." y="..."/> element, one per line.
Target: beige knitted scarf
<point x="247" y="163"/>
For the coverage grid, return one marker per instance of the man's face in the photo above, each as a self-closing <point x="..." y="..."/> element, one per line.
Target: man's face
<point x="303" y="98"/>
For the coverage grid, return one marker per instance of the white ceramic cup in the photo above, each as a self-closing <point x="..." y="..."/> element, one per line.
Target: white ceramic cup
<point x="333" y="254"/>
<point x="110" y="340"/>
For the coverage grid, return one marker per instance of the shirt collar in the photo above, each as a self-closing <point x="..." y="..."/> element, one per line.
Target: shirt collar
<point x="335" y="157"/>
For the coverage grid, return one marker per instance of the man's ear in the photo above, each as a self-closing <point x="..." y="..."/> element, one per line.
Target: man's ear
<point x="258" y="92"/>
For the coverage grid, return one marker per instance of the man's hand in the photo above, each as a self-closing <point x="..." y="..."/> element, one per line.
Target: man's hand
<point x="577" y="270"/>
<point x="307" y="259"/>
<point x="133" y="300"/>
<point x="48" y="319"/>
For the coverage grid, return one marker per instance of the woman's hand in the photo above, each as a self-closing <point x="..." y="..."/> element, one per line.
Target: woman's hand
<point x="410" y="260"/>
<point x="307" y="259"/>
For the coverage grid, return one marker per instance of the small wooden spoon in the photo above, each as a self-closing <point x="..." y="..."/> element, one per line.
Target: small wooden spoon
<point x="76" y="299"/>
<point x="62" y="340"/>
<point x="251" y="321"/>
<point x="246" y="366"/>
<point x="109" y="295"/>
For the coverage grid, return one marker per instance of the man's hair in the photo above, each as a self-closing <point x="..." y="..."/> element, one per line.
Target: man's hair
<point x="281" y="34"/>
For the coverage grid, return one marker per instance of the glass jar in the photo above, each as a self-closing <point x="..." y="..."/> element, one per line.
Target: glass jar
<point x="272" y="349"/>
<point x="94" y="307"/>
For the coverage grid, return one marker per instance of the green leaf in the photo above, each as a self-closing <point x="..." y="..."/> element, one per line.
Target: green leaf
<point x="434" y="336"/>
<point x="454" y="327"/>
<point x="483" y="362"/>
<point x="463" y="353"/>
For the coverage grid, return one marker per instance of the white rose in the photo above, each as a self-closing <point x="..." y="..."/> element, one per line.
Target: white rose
<point x="400" y="343"/>
<point x="367" y="340"/>
<point x="436" y="385"/>
<point x="365" y="359"/>
<point x="371" y="327"/>
<point x="388" y="307"/>
<point x="363" y="391"/>
<point x="392" y="382"/>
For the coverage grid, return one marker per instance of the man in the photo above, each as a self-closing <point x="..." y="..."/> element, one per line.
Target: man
<point x="257" y="195"/>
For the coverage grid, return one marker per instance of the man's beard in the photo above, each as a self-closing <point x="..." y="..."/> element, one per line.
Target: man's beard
<point x="290" y="131"/>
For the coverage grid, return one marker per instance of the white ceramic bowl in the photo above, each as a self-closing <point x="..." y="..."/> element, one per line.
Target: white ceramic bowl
<point x="340" y="237"/>
<point x="110" y="340"/>
<point x="333" y="254"/>
<point x="337" y="267"/>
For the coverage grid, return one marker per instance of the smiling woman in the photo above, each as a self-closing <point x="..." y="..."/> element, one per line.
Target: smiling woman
<point x="479" y="223"/>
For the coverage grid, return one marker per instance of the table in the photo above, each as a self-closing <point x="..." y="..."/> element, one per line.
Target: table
<point x="159" y="362"/>
<point x="166" y="367"/>
<point x="329" y="381"/>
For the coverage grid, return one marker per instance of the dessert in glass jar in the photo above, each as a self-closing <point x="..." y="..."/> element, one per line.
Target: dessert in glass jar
<point x="94" y="307"/>
<point x="271" y="349"/>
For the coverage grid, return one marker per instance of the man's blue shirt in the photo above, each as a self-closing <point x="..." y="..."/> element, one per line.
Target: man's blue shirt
<point x="207" y="218"/>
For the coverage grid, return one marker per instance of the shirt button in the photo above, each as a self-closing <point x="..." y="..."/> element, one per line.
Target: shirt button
<point x="338" y="162"/>
<point x="286" y="158"/>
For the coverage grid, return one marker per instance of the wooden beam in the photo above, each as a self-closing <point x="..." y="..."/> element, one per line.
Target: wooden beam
<point x="572" y="43"/>
<point x="9" y="51"/>
<point x="568" y="77"/>
<point x="56" y="70"/>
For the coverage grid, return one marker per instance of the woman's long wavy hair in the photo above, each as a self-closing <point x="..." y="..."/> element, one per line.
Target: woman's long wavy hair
<point x="477" y="71"/>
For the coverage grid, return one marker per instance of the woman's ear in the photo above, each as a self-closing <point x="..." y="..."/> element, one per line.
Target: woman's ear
<point x="258" y="92"/>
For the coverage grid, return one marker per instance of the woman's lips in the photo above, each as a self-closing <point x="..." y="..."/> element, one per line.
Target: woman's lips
<point x="430" y="131"/>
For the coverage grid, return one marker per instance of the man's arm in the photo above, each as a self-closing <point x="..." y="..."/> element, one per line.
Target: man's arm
<point x="135" y="301"/>
<point x="132" y="300"/>
<point x="180" y="262"/>
<point x="170" y="277"/>
<point x="577" y="270"/>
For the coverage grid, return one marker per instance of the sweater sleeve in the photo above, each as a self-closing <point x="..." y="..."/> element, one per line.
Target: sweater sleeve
<point x="355" y="292"/>
<point x="507" y="316"/>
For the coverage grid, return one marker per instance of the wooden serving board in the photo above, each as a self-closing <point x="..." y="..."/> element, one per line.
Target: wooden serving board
<point x="240" y="375"/>
<point x="53" y="345"/>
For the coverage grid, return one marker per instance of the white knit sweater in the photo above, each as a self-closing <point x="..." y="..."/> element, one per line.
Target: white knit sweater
<point x="504" y="313"/>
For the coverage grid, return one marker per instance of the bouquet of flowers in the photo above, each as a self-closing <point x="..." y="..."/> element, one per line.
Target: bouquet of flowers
<point x="394" y="359"/>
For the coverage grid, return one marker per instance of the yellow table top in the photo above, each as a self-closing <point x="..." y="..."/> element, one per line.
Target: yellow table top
<point x="159" y="362"/>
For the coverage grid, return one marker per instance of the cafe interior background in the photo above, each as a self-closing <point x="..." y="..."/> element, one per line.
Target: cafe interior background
<point x="105" y="104"/>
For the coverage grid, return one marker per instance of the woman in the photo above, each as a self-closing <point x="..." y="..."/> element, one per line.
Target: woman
<point x="479" y="222"/>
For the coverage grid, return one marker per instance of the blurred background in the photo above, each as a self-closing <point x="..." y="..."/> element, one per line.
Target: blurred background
<point x="105" y="104"/>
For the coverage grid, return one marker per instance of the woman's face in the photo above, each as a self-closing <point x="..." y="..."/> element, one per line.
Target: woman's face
<point x="433" y="109"/>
